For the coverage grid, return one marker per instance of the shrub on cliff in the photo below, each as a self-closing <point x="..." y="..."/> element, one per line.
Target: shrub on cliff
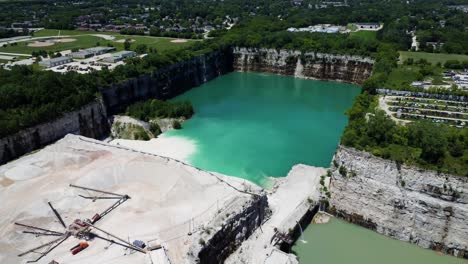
<point x="154" y="129"/>
<point x="343" y="171"/>
<point x="154" y="108"/>
<point x="140" y="134"/>
<point x="176" y="124"/>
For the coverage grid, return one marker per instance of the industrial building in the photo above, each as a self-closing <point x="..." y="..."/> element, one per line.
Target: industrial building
<point x="88" y="53"/>
<point x="120" y="56"/>
<point x="55" y="61"/>
<point x="320" y="28"/>
<point x="367" y="26"/>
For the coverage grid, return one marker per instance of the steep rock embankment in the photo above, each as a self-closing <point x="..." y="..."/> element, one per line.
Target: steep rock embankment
<point x="225" y="233"/>
<point x="344" y="68"/>
<point x="168" y="82"/>
<point x="423" y="207"/>
<point x="90" y="121"/>
<point x="293" y="202"/>
<point x="127" y="127"/>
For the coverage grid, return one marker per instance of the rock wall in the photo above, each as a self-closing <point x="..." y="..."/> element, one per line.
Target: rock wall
<point x="344" y="68"/>
<point x="90" y="121"/>
<point x="168" y="82"/>
<point x="215" y="247"/>
<point x="423" y="207"/>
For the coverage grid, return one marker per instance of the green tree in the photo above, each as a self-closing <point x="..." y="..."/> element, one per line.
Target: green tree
<point x="154" y="129"/>
<point x="431" y="138"/>
<point x="381" y="128"/>
<point x="141" y="48"/>
<point x="176" y="124"/>
<point x="127" y="44"/>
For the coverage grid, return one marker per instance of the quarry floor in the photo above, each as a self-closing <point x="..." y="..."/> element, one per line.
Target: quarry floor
<point x="170" y="200"/>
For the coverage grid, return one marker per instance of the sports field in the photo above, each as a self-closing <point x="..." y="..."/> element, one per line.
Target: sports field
<point x="86" y="39"/>
<point x="433" y="58"/>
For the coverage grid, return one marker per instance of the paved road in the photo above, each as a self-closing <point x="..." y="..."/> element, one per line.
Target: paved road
<point x="15" y="54"/>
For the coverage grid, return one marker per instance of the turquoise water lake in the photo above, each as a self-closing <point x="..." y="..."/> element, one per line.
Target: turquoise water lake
<point x="253" y="125"/>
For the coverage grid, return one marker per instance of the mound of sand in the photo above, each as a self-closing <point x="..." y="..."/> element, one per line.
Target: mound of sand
<point x="41" y="44"/>
<point x="174" y="147"/>
<point x="179" y="41"/>
<point x="168" y="198"/>
<point x="65" y="40"/>
<point x="123" y="40"/>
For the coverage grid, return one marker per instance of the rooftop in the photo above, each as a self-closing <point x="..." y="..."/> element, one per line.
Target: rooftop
<point x="122" y="53"/>
<point x="58" y="59"/>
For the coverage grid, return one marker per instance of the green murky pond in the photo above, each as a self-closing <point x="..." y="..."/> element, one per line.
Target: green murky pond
<point x="341" y="242"/>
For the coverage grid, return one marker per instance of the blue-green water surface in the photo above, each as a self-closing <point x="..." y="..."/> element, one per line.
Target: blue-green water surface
<point x="253" y="125"/>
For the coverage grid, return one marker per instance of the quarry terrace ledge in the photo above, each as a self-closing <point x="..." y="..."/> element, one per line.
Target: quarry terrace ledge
<point x="423" y="207"/>
<point x="92" y="120"/>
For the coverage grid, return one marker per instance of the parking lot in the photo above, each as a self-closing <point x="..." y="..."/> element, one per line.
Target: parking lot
<point x="87" y="65"/>
<point x="407" y="109"/>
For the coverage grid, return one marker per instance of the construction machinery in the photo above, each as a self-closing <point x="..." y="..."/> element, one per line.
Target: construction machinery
<point x="79" y="228"/>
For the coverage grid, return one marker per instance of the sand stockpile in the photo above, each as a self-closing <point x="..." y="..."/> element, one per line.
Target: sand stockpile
<point x="41" y="44"/>
<point x="179" y="41"/>
<point x="65" y="40"/>
<point x="168" y="199"/>
<point x="174" y="147"/>
<point x="123" y="40"/>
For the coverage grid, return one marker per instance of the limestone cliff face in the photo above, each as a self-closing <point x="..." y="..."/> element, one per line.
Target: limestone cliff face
<point x="225" y="233"/>
<point x="344" y="68"/>
<point x="168" y="82"/>
<point x="423" y="207"/>
<point x="90" y="121"/>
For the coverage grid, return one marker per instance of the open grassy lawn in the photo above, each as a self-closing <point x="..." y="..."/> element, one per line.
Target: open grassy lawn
<point x="155" y="42"/>
<point x="87" y="39"/>
<point x="404" y="75"/>
<point x="366" y="35"/>
<point x="433" y="58"/>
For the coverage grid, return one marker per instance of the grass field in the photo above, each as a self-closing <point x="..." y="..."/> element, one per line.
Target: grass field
<point x="404" y="75"/>
<point x="366" y="35"/>
<point x="433" y="58"/>
<point x="86" y="39"/>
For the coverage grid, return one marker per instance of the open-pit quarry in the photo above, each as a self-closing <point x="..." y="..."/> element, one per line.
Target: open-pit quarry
<point x="181" y="214"/>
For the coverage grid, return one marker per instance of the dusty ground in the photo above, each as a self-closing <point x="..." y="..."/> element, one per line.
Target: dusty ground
<point x="65" y="40"/>
<point x="123" y="40"/>
<point x="175" y="147"/>
<point x="168" y="199"/>
<point x="179" y="41"/>
<point x="41" y="44"/>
